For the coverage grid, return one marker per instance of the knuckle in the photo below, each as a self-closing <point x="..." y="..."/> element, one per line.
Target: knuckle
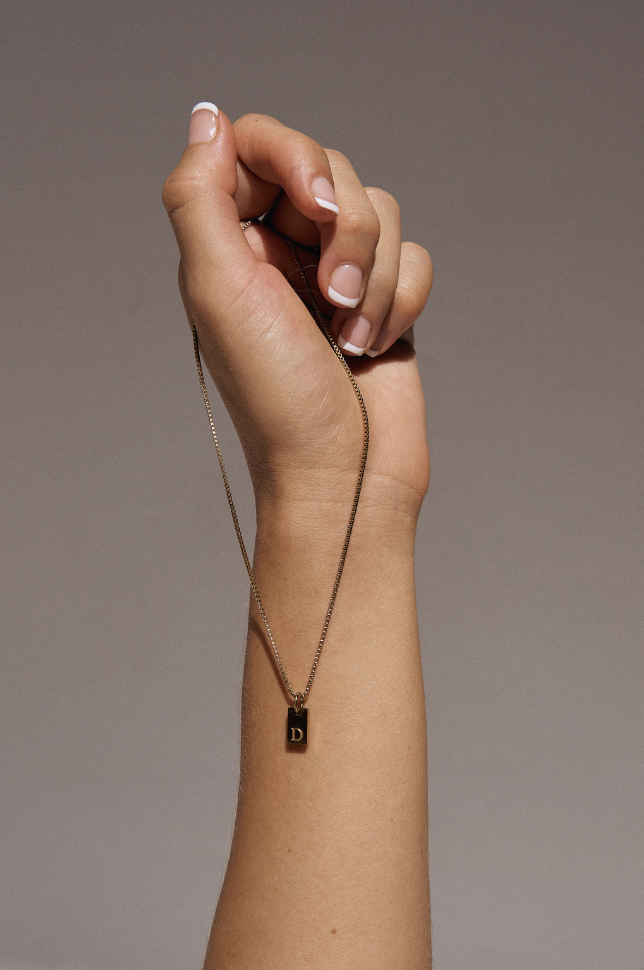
<point x="336" y="158"/>
<point x="361" y="222"/>
<point x="411" y="298"/>
<point x="253" y="118"/>
<point x="418" y="253"/>
<point x="418" y="264"/>
<point x="181" y="187"/>
<point x="253" y="132"/>
<point x="301" y="151"/>
<point x="306" y="153"/>
<point x="175" y="193"/>
<point x="383" y="199"/>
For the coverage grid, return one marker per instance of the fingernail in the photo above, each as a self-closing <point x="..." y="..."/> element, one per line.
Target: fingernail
<point x="354" y="335"/>
<point x="378" y="344"/>
<point x="345" y="285"/>
<point x="203" y="122"/>
<point x="322" y="192"/>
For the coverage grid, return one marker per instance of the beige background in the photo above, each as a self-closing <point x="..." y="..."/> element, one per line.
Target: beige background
<point x="511" y="134"/>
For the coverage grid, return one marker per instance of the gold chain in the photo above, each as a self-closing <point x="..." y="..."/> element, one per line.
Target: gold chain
<point x="298" y="697"/>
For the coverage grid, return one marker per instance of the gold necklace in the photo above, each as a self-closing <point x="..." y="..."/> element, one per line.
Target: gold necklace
<point x="297" y="719"/>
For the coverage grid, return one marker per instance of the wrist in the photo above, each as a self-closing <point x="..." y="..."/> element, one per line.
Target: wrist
<point x="298" y="546"/>
<point x="316" y="505"/>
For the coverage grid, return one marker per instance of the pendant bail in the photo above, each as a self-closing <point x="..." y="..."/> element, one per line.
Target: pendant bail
<point x="298" y="703"/>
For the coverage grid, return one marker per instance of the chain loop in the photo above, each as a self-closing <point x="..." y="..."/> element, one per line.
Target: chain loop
<point x="299" y="697"/>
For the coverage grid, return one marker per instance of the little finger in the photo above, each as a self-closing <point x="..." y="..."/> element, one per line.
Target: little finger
<point x="414" y="283"/>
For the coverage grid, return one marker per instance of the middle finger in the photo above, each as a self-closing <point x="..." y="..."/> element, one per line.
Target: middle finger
<point x="348" y="244"/>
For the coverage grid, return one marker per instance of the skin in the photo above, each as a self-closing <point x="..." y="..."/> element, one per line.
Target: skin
<point x="328" y="867"/>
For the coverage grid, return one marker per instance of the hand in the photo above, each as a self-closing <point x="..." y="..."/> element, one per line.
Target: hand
<point x="291" y="402"/>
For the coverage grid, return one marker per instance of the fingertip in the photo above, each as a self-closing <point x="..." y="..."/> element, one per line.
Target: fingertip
<point x="327" y="205"/>
<point x="344" y="301"/>
<point x="345" y="286"/>
<point x="378" y="346"/>
<point x="209" y="161"/>
<point x="324" y="194"/>
<point x="205" y="106"/>
<point x="355" y="335"/>
<point x="203" y="123"/>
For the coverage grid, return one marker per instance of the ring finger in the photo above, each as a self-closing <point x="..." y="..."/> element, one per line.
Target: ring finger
<point x="355" y="330"/>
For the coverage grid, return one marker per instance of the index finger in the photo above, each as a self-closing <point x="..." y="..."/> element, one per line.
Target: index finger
<point x="282" y="156"/>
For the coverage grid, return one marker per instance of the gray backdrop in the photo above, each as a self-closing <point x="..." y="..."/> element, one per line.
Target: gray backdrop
<point x="511" y="133"/>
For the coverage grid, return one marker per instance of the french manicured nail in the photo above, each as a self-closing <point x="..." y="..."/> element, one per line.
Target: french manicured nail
<point x="322" y="192"/>
<point x="345" y="285"/>
<point x="378" y="344"/>
<point x="354" y="335"/>
<point x="203" y="122"/>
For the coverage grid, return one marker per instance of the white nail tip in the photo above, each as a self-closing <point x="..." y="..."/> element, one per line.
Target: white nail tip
<point x="345" y="345"/>
<point x="342" y="300"/>
<point x="372" y="353"/>
<point x="327" y="205"/>
<point x="205" y="106"/>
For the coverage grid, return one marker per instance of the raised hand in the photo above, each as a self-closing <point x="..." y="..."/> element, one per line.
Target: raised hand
<point x="289" y="398"/>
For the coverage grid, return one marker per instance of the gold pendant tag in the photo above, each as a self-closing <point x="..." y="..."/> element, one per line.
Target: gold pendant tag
<point x="297" y="726"/>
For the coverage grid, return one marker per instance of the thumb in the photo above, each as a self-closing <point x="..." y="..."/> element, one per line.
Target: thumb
<point x="198" y="197"/>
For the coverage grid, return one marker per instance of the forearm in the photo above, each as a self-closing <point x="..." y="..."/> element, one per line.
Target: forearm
<point x="329" y="860"/>
<point x="328" y="868"/>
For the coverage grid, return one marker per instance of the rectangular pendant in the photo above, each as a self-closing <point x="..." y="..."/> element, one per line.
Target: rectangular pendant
<point x="297" y="726"/>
